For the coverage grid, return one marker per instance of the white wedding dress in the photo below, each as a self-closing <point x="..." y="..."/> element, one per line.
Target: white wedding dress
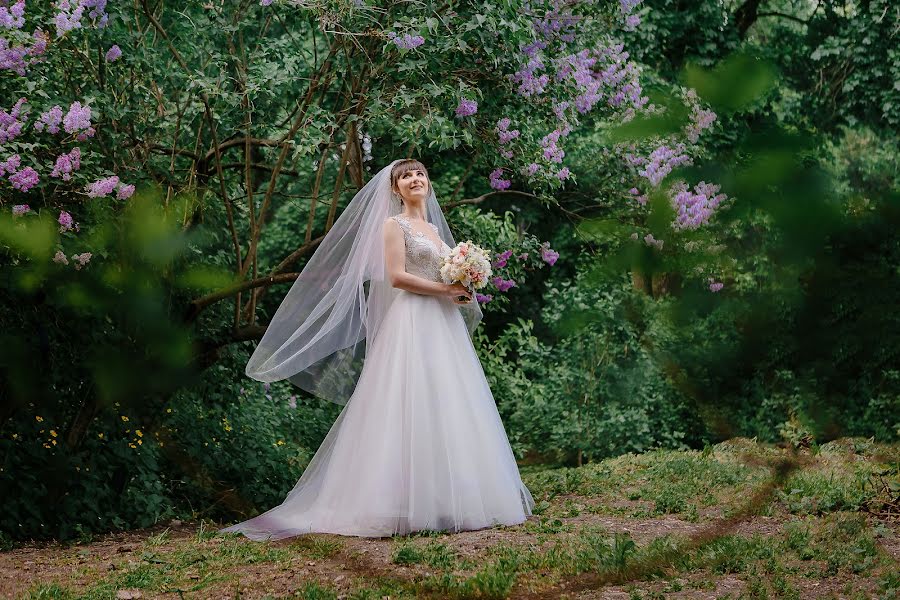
<point x="420" y="444"/>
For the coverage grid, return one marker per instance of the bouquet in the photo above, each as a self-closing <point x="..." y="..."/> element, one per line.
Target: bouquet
<point x="467" y="264"/>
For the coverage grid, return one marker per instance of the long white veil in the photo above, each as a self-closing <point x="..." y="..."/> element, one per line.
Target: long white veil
<point x="319" y="336"/>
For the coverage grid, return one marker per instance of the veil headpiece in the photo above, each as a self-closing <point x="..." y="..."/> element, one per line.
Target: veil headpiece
<point x="320" y="334"/>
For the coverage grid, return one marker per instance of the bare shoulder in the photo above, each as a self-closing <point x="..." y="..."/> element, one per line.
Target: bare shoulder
<point x="391" y="225"/>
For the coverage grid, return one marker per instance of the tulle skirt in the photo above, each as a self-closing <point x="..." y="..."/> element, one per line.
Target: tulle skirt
<point x="418" y="446"/>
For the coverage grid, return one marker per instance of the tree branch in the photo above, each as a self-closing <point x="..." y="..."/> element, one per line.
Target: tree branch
<point x="782" y="16"/>
<point x="484" y="197"/>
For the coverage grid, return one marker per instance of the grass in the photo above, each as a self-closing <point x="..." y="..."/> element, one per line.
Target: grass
<point x="647" y="525"/>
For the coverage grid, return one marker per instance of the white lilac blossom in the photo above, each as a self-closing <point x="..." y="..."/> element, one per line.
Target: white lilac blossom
<point x="81" y="259"/>
<point x="60" y="258"/>
<point x="652" y="241"/>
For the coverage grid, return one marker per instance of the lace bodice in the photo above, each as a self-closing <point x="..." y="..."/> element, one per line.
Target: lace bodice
<point x="423" y="258"/>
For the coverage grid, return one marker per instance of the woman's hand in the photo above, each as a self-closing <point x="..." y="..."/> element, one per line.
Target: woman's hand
<point x="455" y="290"/>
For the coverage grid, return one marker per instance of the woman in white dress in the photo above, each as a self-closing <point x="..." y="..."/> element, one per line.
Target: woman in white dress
<point x="419" y="444"/>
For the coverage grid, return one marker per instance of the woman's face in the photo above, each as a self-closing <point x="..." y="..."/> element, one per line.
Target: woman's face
<point x="413" y="185"/>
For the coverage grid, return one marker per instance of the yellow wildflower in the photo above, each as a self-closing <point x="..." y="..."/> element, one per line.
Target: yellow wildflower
<point x="53" y="432"/>
<point x="138" y="433"/>
<point x="124" y="418"/>
<point x="39" y="418"/>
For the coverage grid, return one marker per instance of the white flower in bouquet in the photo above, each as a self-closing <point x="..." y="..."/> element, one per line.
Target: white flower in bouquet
<point x="467" y="264"/>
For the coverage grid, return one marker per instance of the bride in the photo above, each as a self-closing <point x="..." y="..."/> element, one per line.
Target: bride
<point x="419" y="444"/>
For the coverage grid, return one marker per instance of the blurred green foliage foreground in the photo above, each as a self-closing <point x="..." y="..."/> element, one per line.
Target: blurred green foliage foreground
<point x="123" y="402"/>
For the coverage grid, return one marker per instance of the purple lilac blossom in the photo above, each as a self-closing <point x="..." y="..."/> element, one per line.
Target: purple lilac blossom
<point x="114" y="53"/>
<point x="548" y="255"/>
<point x="522" y="256"/>
<point x="78" y="120"/>
<point x="11" y="122"/>
<point x="700" y="118"/>
<point x="50" y="119"/>
<point x="483" y="298"/>
<point x="13" y="17"/>
<point x="66" y="164"/>
<point x="466" y="108"/>
<point x="532" y="169"/>
<point x="503" y="131"/>
<point x="15" y="57"/>
<point x="10" y="165"/>
<point x="20" y="209"/>
<point x="25" y="179"/>
<point x="662" y="160"/>
<point x="501" y="259"/>
<point x="552" y="151"/>
<point x="68" y="16"/>
<point x="529" y="85"/>
<point x="563" y="174"/>
<point x="406" y="41"/>
<point x="269" y="3"/>
<point x="65" y="221"/>
<point x="496" y="180"/>
<point x="695" y="208"/>
<point x="641" y="198"/>
<point x="102" y="187"/>
<point x="125" y="191"/>
<point x="503" y="285"/>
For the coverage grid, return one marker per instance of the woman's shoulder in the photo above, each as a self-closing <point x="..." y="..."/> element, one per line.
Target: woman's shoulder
<point x="394" y="222"/>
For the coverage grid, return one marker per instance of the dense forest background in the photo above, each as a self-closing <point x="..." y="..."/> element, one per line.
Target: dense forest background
<point x="697" y="203"/>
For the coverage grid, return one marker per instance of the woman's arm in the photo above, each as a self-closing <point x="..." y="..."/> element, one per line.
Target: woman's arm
<point x="395" y="262"/>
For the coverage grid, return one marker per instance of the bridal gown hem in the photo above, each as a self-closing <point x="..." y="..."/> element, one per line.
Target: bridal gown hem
<point x="420" y="444"/>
